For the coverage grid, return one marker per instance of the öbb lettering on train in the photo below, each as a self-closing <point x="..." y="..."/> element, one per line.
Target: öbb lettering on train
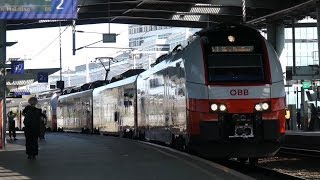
<point x="239" y="92"/>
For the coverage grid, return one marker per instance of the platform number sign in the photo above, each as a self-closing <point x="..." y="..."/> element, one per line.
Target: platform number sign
<point x="38" y="9"/>
<point x="59" y="5"/>
<point x="42" y="77"/>
<point x="17" y="67"/>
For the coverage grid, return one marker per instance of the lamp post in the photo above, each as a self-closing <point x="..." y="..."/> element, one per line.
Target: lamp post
<point x="3" y="45"/>
<point x="69" y="81"/>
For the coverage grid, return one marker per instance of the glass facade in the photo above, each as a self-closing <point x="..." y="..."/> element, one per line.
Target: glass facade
<point x="306" y="50"/>
<point x="138" y="33"/>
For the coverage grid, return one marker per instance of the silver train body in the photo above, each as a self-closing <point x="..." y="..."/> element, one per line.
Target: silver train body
<point x="222" y="95"/>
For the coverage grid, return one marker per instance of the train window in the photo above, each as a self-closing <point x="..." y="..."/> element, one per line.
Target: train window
<point x="235" y="68"/>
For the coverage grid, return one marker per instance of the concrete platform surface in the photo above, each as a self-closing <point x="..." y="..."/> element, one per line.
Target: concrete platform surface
<point x="302" y="133"/>
<point x="302" y="139"/>
<point x="75" y="156"/>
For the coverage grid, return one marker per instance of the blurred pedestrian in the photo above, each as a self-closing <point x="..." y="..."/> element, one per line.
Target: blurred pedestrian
<point x="314" y="116"/>
<point x="299" y="119"/>
<point x="287" y="116"/>
<point x="32" y="127"/>
<point x="43" y="123"/>
<point x="12" y="126"/>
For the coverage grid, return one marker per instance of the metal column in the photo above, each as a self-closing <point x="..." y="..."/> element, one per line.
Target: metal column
<point x="293" y="46"/>
<point x="318" y="30"/>
<point x="3" y="79"/>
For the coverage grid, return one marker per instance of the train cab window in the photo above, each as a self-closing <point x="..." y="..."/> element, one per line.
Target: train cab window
<point x="235" y="68"/>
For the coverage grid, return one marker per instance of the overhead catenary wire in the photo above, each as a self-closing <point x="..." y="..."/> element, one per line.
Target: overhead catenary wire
<point x="41" y="51"/>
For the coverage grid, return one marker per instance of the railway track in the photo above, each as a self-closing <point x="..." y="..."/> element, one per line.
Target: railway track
<point x="299" y="152"/>
<point x="256" y="171"/>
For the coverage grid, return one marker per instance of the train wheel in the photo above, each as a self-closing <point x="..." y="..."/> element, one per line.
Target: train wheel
<point x="242" y="160"/>
<point x="253" y="161"/>
<point x="123" y="134"/>
<point x="182" y="144"/>
<point x="178" y="143"/>
<point x="142" y="136"/>
<point x="173" y="142"/>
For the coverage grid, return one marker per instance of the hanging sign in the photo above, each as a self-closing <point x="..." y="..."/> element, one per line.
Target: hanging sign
<point x="38" y="9"/>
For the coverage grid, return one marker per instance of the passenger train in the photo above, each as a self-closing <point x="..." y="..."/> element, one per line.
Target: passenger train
<point x="222" y="95"/>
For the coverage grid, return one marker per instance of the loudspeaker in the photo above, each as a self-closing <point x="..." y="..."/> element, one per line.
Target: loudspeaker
<point x="60" y="85"/>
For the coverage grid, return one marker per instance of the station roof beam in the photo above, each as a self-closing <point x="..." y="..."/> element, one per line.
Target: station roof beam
<point x="187" y="13"/>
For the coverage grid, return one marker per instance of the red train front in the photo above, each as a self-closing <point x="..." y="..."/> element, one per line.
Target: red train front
<point x="232" y="83"/>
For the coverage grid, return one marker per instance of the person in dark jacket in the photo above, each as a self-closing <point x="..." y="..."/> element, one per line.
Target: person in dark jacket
<point x="314" y="116"/>
<point x="12" y="126"/>
<point x="32" y="127"/>
<point x="299" y="119"/>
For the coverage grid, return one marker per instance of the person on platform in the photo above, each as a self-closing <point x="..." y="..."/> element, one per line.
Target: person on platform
<point x="43" y="123"/>
<point x="314" y="116"/>
<point x="32" y="127"/>
<point x="288" y="117"/>
<point x="299" y="119"/>
<point x="12" y="126"/>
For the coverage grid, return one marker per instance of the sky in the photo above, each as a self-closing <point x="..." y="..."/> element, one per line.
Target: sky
<point x="40" y="47"/>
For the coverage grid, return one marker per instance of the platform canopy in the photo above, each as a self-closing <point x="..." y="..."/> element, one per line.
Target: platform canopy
<point x="30" y="76"/>
<point x="186" y="13"/>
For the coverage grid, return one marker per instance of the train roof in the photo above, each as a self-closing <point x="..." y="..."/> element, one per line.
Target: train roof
<point x="47" y="94"/>
<point x="127" y="74"/>
<point x="75" y="95"/>
<point x="123" y="82"/>
<point x="84" y="87"/>
<point x="99" y="83"/>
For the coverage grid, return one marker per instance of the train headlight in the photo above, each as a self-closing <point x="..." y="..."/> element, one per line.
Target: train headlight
<point x="258" y="107"/>
<point x="231" y="38"/>
<point x="265" y="106"/>
<point x="214" y="107"/>
<point x="262" y="106"/>
<point x="222" y="107"/>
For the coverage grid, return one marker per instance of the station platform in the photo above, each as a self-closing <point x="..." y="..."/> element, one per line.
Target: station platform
<point x="76" y="156"/>
<point x="302" y="139"/>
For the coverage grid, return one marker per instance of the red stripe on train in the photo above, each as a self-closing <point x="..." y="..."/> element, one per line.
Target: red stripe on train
<point x="199" y="110"/>
<point x="235" y="105"/>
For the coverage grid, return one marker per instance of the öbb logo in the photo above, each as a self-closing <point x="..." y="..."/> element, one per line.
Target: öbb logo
<point x="239" y="92"/>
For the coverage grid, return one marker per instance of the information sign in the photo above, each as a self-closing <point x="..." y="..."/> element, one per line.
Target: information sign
<point x="21" y="93"/>
<point x="109" y="38"/>
<point x="306" y="85"/>
<point x="42" y="77"/>
<point x="17" y="67"/>
<point x="231" y="49"/>
<point x="38" y="9"/>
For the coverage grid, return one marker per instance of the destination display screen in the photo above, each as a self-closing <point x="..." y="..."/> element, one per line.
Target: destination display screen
<point x="219" y="49"/>
<point x="38" y="9"/>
